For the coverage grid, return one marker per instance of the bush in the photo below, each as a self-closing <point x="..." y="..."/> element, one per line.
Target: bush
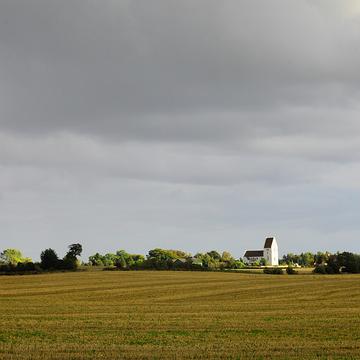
<point x="27" y="266"/>
<point x="320" y="269"/>
<point x="274" y="271"/>
<point x="6" y="268"/>
<point x="69" y="263"/>
<point x="20" y="268"/>
<point x="291" y="271"/>
<point x="110" y="268"/>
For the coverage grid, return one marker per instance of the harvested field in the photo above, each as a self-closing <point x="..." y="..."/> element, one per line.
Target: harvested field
<point x="179" y="315"/>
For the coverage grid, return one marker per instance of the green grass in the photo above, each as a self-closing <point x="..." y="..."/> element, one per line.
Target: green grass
<point x="175" y="315"/>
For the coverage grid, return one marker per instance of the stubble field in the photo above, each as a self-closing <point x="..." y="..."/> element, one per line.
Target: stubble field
<point x="179" y="315"/>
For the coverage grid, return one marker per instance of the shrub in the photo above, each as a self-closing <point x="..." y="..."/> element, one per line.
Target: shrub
<point x="20" y="268"/>
<point x="291" y="271"/>
<point x="26" y="266"/>
<point x="69" y="263"/>
<point x="274" y="271"/>
<point x="320" y="269"/>
<point x="6" y="268"/>
<point x="110" y="268"/>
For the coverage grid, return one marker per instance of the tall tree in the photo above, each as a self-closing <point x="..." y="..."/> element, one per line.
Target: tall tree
<point x="49" y="259"/>
<point x="70" y="260"/>
<point x="74" y="250"/>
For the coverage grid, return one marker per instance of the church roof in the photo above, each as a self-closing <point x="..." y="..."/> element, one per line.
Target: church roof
<point x="268" y="242"/>
<point x="254" y="253"/>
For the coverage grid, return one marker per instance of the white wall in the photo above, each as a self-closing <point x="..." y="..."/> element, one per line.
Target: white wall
<point x="274" y="253"/>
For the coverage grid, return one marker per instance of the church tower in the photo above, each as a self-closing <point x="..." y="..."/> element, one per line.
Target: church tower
<point x="271" y="251"/>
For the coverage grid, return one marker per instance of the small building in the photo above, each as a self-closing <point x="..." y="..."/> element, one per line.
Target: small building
<point x="252" y="256"/>
<point x="270" y="253"/>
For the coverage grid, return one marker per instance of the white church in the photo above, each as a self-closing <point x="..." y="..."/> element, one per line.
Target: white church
<point x="270" y="253"/>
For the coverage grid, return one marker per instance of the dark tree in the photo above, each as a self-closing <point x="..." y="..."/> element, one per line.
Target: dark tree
<point x="349" y="262"/>
<point x="333" y="265"/>
<point x="49" y="259"/>
<point x="74" y="250"/>
<point x="70" y="260"/>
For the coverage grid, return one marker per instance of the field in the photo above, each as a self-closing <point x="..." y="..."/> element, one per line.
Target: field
<point x="179" y="315"/>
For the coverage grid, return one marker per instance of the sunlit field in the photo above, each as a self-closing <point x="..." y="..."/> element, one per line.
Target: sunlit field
<point x="179" y="315"/>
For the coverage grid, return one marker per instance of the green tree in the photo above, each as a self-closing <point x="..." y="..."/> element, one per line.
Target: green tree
<point x="160" y="259"/>
<point x="291" y="259"/>
<point x="215" y="255"/>
<point x="121" y="262"/>
<point x="208" y="262"/>
<point x="96" y="260"/>
<point x="121" y="259"/>
<point x="307" y="259"/>
<point x="13" y="257"/>
<point x="109" y="259"/>
<point x="226" y="256"/>
<point x="138" y="260"/>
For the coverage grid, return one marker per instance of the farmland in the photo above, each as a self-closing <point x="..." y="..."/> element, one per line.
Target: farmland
<point x="174" y="315"/>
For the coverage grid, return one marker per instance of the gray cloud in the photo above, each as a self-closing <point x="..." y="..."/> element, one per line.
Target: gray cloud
<point x="215" y="112"/>
<point x="121" y="68"/>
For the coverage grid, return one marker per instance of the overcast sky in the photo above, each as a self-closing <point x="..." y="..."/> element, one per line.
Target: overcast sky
<point x="195" y="125"/>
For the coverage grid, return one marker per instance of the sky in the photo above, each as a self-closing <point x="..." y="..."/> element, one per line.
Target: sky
<point x="193" y="125"/>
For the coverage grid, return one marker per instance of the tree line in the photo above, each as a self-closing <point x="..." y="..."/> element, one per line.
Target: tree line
<point x="325" y="262"/>
<point x="345" y="262"/>
<point x="12" y="261"/>
<point x="162" y="259"/>
<point x="305" y="259"/>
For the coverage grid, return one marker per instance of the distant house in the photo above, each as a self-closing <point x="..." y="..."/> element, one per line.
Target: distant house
<point x="270" y="253"/>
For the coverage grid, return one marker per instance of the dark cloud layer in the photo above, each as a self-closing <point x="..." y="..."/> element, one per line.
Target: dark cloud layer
<point x="239" y="97"/>
<point x="129" y="68"/>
